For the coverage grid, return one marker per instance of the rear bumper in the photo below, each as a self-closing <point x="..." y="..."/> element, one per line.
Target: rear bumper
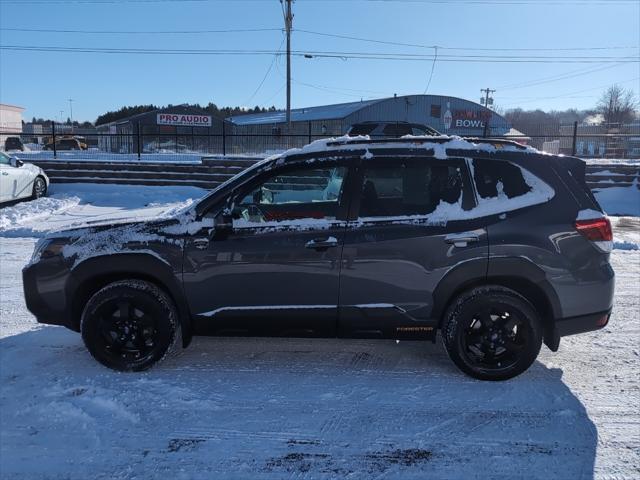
<point x="582" y="324"/>
<point x="573" y="325"/>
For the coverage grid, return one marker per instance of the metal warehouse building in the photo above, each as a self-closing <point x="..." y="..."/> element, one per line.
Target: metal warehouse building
<point x="171" y="129"/>
<point x="262" y="132"/>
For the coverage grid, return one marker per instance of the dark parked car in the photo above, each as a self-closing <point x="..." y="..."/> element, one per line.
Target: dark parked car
<point x="13" y="143"/>
<point x="494" y="244"/>
<point x="391" y="129"/>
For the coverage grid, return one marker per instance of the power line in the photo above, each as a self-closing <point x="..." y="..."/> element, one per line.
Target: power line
<point x="310" y="32"/>
<point x="275" y="57"/>
<point x="427" y="2"/>
<point x="335" y="54"/>
<point x="418" y="45"/>
<point x="433" y="67"/>
<point x="140" y="32"/>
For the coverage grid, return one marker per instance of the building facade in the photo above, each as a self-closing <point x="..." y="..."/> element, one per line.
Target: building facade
<point x="178" y="129"/>
<point x="262" y="132"/>
<point x="10" y="122"/>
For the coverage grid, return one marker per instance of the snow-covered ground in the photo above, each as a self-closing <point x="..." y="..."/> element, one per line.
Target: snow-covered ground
<point x="304" y="408"/>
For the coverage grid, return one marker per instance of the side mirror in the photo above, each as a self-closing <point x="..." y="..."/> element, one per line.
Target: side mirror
<point x="223" y="225"/>
<point x="16" y="162"/>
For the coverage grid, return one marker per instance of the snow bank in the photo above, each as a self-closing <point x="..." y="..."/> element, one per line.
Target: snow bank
<point x="80" y="205"/>
<point x="620" y="200"/>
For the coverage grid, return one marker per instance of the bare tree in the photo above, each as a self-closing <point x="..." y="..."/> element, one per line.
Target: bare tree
<point x="617" y="105"/>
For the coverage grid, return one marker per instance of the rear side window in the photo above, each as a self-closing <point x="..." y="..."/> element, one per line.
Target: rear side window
<point x="407" y="189"/>
<point x="494" y="178"/>
<point x="503" y="186"/>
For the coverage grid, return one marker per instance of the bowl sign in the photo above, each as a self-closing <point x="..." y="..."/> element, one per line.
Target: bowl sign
<point x="470" y="118"/>
<point x="181" y="119"/>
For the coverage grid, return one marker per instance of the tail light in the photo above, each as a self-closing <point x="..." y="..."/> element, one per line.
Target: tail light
<point x="597" y="230"/>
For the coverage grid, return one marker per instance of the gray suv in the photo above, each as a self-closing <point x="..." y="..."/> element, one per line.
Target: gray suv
<point x="498" y="246"/>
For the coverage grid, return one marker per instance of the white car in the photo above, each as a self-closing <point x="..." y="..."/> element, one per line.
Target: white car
<point x="20" y="180"/>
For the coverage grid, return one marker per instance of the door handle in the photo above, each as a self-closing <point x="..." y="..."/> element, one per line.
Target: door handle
<point x="201" y="243"/>
<point x="5" y="173"/>
<point x="461" y="239"/>
<point x="322" y="243"/>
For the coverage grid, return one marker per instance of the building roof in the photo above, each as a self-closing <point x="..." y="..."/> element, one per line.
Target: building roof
<point x="15" y="108"/>
<point x="324" y="112"/>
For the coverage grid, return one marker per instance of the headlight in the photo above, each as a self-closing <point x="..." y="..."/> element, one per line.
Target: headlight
<point x="47" y="248"/>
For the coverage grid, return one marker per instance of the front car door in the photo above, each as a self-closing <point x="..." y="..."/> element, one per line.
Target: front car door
<point x="412" y="226"/>
<point x="276" y="272"/>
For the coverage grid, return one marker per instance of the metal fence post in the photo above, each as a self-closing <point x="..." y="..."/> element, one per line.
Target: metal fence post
<point x="224" y="139"/>
<point x="309" y="132"/>
<point x="575" y="138"/>
<point x="53" y="138"/>
<point x="138" y="139"/>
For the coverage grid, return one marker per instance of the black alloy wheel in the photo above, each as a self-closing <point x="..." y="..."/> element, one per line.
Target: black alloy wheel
<point x="492" y="333"/>
<point x="129" y="325"/>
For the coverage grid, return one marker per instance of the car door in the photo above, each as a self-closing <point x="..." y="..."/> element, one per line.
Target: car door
<point x="6" y="179"/>
<point x="276" y="272"/>
<point x="412" y="225"/>
<point x="10" y="179"/>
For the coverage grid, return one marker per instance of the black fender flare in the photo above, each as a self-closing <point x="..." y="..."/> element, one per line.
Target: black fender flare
<point x="517" y="273"/>
<point x="95" y="272"/>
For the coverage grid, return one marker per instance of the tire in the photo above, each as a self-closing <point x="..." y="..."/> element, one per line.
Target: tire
<point x="492" y="333"/>
<point x="149" y="332"/>
<point x="39" y="188"/>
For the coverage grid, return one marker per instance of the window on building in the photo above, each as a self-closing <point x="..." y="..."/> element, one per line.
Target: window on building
<point x="409" y="189"/>
<point x="436" y="111"/>
<point x="308" y="193"/>
<point x="494" y="176"/>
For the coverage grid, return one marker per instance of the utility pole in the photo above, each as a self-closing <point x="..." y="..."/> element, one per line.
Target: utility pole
<point x="288" y="24"/>
<point x="71" y="111"/>
<point x="487" y="100"/>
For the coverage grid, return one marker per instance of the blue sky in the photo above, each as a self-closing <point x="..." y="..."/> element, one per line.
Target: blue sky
<point x="43" y="81"/>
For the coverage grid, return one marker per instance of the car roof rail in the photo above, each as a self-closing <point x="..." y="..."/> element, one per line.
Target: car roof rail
<point x="496" y="142"/>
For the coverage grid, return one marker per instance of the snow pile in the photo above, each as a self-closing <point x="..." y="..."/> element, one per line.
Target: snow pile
<point x="620" y="200"/>
<point x="73" y="206"/>
<point x="23" y="218"/>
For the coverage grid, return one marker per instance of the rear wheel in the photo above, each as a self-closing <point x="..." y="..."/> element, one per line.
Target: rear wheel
<point x="492" y="333"/>
<point x="130" y="325"/>
<point x="39" y="188"/>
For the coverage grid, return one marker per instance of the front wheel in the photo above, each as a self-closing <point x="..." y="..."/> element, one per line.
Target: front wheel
<point x="492" y="333"/>
<point x="39" y="188"/>
<point x="130" y="325"/>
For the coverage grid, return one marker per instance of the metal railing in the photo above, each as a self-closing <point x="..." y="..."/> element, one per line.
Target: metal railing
<point x="612" y="141"/>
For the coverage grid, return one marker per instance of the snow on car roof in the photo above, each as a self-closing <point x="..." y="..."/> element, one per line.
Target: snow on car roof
<point x="439" y="144"/>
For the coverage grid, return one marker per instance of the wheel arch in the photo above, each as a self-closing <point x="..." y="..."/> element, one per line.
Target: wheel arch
<point x="517" y="274"/>
<point x="95" y="273"/>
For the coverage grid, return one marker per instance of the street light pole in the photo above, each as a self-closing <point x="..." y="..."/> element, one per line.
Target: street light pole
<point x="71" y="111"/>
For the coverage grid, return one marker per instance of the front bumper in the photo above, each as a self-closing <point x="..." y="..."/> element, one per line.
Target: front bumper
<point x="44" y="285"/>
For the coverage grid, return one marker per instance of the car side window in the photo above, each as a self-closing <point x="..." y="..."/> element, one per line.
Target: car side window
<point x="4" y="159"/>
<point x="404" y="189"/>
<point x="305" y="193"/>
<point x="494" y="178"/>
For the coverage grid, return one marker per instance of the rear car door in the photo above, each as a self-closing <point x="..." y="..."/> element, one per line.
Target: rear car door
<point x="412" y="225"/>
<point x="277" y="271"/>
